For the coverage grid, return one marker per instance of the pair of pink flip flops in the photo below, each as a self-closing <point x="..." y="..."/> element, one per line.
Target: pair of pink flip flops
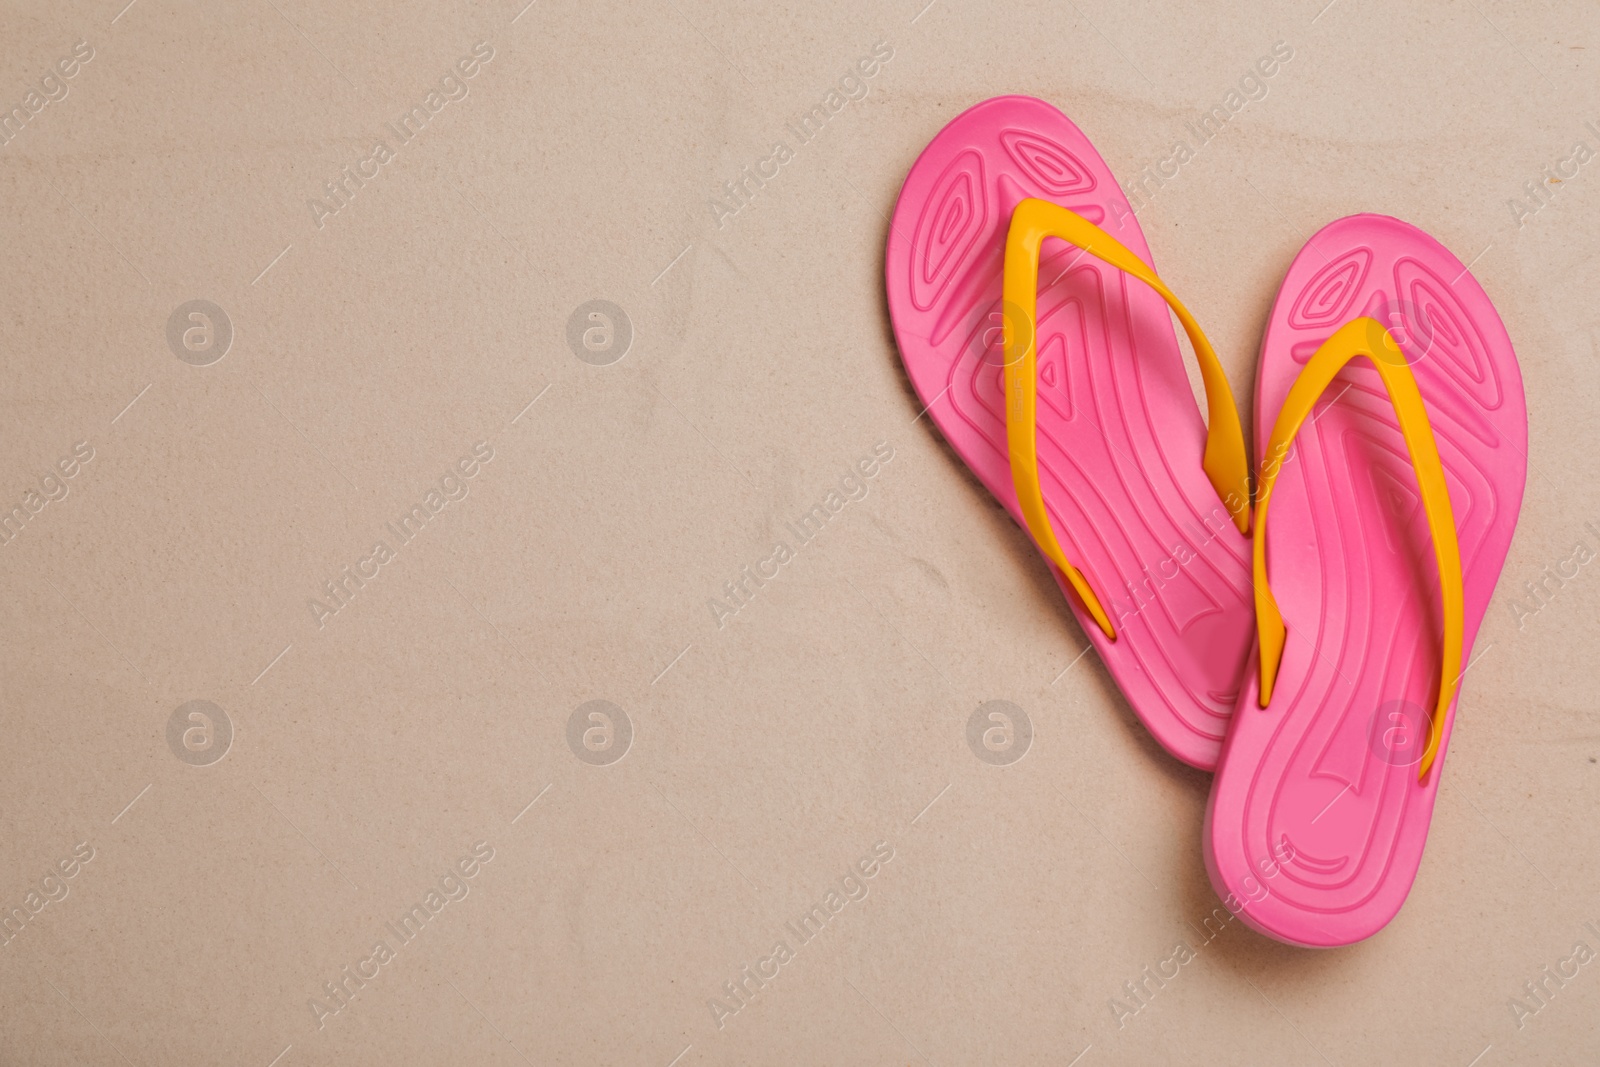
<point x="1316" y="671"/>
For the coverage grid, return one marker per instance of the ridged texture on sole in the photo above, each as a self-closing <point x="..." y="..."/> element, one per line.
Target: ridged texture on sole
<point x="1317" y="820"/>
<point x="1119" y="435"/>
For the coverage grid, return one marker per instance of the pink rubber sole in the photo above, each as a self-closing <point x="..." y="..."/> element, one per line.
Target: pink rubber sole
<point x="1316" y="822"/>
<point x="1120" y="437"/>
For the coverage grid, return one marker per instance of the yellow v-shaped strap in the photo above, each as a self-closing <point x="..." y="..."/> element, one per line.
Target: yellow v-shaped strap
<point x="1224" y="462"/>
<point x="1367" y="337"/>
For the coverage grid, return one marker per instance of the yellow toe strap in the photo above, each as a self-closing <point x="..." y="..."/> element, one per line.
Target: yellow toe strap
<point x="1366" y="337"/>
<point x="1224" y="462"/>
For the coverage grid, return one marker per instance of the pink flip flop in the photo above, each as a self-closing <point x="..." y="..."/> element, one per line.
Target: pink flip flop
<point x="995" y="312"/>
<point x="1394" y="483"/>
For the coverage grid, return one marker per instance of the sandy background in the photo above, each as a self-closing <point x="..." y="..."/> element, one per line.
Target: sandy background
<point x="431" y="319"/>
